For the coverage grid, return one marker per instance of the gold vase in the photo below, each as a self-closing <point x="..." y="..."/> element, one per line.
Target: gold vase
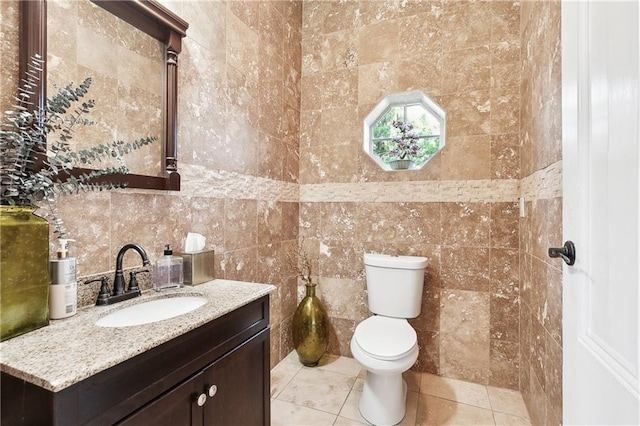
<point x="310" y="328"/>
<point x="24" y="271"/>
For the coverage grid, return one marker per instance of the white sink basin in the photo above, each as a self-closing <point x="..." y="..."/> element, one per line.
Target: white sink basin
<point x="152" y="311"/>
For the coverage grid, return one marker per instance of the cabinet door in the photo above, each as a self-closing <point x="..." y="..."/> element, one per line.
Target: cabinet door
<point x="177" y="407"/>
<point x="239" y="383"/>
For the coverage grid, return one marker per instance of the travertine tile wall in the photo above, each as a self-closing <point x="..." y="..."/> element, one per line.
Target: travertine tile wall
<point x="465" y="56"/>
<point x="238" y="153"/>
<point x="541" y="162"/>
<point x="247" y="93"/>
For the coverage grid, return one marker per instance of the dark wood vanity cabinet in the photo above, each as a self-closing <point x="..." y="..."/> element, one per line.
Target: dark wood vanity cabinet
<point x="228" y="392"/>
<point x="217" y="374"/>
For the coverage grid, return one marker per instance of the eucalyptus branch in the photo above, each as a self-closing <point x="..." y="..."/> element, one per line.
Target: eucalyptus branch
<point x="34" y="169"/>
<point x="51" y="214"/>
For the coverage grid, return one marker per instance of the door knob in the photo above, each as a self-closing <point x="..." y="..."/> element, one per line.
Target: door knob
<point x="567" y="252"/>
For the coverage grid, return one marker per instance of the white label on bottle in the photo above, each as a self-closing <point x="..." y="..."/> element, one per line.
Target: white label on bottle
<point x="63" y="301"/>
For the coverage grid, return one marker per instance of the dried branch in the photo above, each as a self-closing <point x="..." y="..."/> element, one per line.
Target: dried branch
<point x="300" y="263"/>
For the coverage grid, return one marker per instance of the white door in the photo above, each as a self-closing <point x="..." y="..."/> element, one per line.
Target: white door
<point x="600" y="69"/>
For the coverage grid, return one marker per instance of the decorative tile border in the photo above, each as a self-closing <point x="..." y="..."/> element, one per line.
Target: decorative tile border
<point x="200" y="182"/>
<point x="505" y="190"/>
<point x="544" y="184"/>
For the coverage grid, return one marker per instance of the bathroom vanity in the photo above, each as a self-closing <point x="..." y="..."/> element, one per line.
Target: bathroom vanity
<point x="207" y="367"/>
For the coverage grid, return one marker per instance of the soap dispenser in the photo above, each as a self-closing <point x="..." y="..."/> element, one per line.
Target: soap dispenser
<point x="63" y="288"/>
<point x="168" y="271"/>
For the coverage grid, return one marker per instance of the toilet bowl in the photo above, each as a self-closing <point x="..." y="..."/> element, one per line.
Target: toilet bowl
<point x="385" y="347"/>
<point x="385" y="344"/>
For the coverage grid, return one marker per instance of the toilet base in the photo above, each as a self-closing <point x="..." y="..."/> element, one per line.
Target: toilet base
<point x="383" y="400"/>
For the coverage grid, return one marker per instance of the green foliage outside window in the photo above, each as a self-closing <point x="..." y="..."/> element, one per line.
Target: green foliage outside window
<point x="425" y="126"/>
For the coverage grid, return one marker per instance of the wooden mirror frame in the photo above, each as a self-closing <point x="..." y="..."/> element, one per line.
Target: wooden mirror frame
<point x="149" y="17"/>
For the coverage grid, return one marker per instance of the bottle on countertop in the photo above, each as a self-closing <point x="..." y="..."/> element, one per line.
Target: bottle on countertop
<point x="63" y="288"/>
<point x="168" y="271"/>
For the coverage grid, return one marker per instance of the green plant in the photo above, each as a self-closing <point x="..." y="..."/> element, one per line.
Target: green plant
<point x="34" y="168"/>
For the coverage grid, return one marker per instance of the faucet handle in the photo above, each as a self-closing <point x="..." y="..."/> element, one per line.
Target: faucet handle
<point x="133" y="282"/>
<point x="105" y="292"/>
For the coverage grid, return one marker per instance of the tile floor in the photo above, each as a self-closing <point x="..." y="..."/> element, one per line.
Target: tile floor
<point x="328" y="395"/>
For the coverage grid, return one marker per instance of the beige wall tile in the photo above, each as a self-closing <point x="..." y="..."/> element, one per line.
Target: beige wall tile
<point x="468" y="113"/>
<point x="466" y="224"/>
<point x="464" y="339"/>
<point x="424" y="72"/>
<point x="504" y="364"/>
<point x="255" y="75"/>
<point x="505" y="156"/>
<point x="338" y="16"/>
<point x="467" y="69"/>
<point x="420" y="33"/>
<point x="375" y="81"/>
<point x="465" y="24"/>
<point x="504" y="225"/>
<point x="465" y="268"/>
<point x="466" y="157"/>
<point x="373" y="11"/>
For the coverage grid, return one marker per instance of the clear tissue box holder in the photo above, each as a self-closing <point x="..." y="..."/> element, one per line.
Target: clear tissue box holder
<point x="197" y="266"/>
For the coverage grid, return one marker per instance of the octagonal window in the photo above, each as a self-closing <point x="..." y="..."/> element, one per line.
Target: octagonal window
<point x="404" y="131"/>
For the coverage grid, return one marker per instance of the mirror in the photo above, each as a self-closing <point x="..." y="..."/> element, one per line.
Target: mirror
<point x="132" y="32"/>
<point x="404" y="131"/>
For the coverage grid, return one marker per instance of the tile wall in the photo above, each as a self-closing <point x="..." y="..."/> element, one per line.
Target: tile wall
<point x="541" y="161"/>
<point x="460" y="210"/>
<point x="239" y="85"/>
<point x="261" y="82"/>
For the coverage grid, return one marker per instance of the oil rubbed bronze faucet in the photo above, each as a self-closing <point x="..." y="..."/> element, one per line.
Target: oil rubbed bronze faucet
<point x="105" y="296"/>
<point x="118" y="282"/>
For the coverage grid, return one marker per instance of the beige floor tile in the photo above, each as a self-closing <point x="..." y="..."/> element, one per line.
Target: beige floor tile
<point x="281" y="375"/>
<point x="507" y="401"/>
<point x="288" y="414"/>
<point x="412" y="410"/>
<point x="503" y="419"/>
<point x="351" y="411"/>
<point x="320" y="389"/>
<point x="455" y="390"/>
<point x="436" y="411"/>
<point x="342" y="421"/>
<point x="329" y="395"/>
<point x="292" y="358"/>
<point x="350" y="408"/>
<point x="339" y="364"/>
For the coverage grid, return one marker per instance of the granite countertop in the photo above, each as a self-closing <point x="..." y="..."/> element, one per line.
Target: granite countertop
<point x="68" y="351"/>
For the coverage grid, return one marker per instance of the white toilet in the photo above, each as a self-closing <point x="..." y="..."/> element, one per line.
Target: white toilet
<point x="385" y="344"/>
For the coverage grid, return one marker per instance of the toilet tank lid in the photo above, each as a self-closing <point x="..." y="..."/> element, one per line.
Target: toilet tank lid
<point x="400" y="262"/>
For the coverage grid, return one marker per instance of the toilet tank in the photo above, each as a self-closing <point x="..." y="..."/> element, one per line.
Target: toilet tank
<point x="394" y="284"/>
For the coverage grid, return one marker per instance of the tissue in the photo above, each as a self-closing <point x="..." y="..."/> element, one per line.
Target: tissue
<point x="198" y="264"/>
<point x="194" y="242"/>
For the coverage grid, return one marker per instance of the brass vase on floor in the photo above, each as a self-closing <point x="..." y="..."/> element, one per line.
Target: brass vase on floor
<point x="310" y="328"/>
<point x="24" y="271"/>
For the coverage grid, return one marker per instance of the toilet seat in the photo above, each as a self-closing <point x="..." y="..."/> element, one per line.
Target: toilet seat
<point x="385" y="338"/>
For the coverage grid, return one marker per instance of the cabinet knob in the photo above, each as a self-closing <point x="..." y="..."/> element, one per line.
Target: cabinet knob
<point x="202" y="398"/>
<point x="213" y="390"/>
